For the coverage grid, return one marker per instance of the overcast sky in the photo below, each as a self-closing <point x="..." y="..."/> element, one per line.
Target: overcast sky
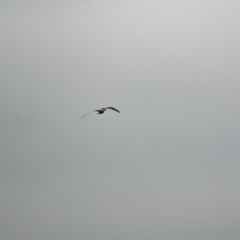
<point x="167" y="167"/>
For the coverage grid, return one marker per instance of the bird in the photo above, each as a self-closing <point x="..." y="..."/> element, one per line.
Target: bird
<point x="101" y="111"/>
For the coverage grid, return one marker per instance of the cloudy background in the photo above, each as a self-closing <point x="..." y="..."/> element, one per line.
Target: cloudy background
<point x="167" y="167"/>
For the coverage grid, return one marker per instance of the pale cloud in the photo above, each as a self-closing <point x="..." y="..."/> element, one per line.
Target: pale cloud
<point x="166" y="167"/>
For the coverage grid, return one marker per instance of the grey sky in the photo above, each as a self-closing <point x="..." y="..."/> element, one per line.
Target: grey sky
<point x="167" y="167"/>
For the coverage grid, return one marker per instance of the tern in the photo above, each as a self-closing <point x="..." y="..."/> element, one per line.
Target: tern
<point x="101" y="111"/>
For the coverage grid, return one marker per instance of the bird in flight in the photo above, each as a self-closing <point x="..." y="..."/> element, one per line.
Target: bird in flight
<point x="101" y="111"/>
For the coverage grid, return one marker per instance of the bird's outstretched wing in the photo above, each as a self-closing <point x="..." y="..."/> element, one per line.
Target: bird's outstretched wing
<point x="85" y="115"/>
<point x="113" y="109"/>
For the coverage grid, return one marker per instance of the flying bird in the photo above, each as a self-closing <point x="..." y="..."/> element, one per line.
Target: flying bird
<point x="101" y="111"/>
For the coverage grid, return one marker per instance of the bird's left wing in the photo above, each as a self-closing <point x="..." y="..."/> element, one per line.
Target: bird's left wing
<point x="85" y="115"/>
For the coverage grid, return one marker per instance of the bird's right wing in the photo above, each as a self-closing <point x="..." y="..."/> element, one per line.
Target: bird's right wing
<point x="86" y="115"/>
<point x="114" y="109"/>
